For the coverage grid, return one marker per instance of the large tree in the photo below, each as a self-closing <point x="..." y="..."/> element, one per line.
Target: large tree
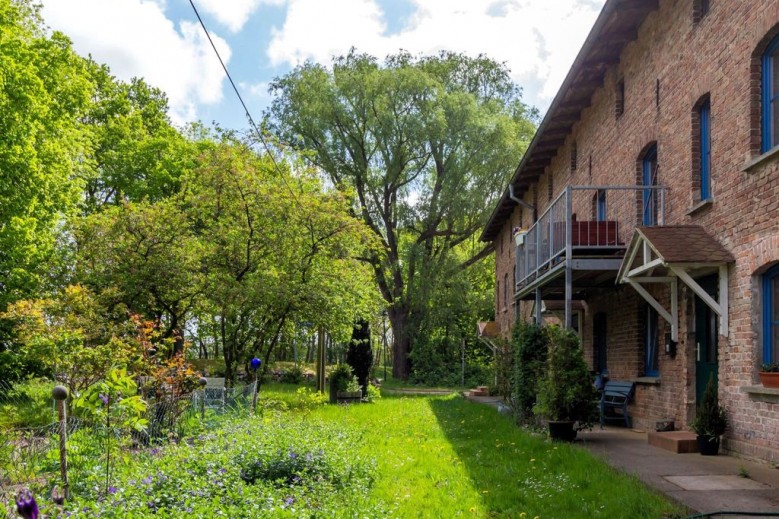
<point x="277" y="249"/>
<point x="44" y="89"/>
<point x="426" y="144"/>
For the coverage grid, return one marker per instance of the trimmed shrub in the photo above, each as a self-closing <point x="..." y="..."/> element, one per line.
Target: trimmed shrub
<point x="566" y="392"/>
<point x="359" y="354"/>
<point x="530" y="344"/>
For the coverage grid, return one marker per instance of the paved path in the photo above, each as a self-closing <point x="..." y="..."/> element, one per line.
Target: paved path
<point x="704" y="484"/>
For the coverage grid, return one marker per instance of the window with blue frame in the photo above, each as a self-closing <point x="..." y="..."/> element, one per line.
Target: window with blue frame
<point x="704" y="114"/>
<point x="600" y="213"/>
<point x="771" y="315"/>
<point x="651" y="364"/>
<point x="770" y="96"/>
<point x="649" y="177"/>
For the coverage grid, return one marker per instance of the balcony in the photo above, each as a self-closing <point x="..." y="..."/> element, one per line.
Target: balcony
<point x="581" y="239"/>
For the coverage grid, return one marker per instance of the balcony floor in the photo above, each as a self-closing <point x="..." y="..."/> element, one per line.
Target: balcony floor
<point x="591" y="269"/>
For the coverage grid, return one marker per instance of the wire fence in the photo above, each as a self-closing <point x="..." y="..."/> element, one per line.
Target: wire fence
<point x="29" y="456"/>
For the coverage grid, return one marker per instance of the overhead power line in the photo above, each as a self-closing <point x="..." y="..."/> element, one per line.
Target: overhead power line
<point x="243" y="104"/>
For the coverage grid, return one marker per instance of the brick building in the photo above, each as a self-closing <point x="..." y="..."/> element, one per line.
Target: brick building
<point x="648" y="204"/>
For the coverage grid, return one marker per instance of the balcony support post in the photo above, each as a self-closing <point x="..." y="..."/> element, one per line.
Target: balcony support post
<point x="539" y="317"/>
<point x="568" y="257"/>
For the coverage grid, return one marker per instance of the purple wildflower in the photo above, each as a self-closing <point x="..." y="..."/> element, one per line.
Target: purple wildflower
<point x="223" y="471"/>
<point x="104" y="398"/>
<point x="155" y="451"/>
<point x="147" y="480"/>
<point x="289" y="501"/>
<point x="26" y="505"/>
<point x="112" y="490"/>
<point x="292" y="455"/>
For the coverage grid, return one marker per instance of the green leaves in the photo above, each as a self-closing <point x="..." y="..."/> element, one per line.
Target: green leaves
<point x="426" y="144"/>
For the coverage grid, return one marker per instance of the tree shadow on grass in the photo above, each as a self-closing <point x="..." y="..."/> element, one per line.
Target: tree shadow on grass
<point x="516" y="471"/>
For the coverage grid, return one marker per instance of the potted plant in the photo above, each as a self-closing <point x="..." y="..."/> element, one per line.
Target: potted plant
<point x="351" y="393"/>
<point x="566" y="396"/>
<point x="340" y="377"/>
<point x="519" y="235"/>
<point x="710" y="422"/>
<point x="769" y="374"/>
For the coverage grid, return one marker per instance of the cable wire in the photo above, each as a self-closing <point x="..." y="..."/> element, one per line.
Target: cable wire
<point x="243" y="104"/>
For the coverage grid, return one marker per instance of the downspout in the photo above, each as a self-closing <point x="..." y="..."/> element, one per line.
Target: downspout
<point x="519" y="200"/>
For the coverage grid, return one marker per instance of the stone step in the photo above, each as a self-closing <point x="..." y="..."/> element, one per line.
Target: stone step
<point x="680" y="442"/>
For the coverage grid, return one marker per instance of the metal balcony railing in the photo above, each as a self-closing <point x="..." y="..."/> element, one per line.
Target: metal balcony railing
<point x="585" y="220"/>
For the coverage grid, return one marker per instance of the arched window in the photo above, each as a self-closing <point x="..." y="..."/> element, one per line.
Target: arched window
<point x="770" y="96"/>
<point x="771" y="315"/>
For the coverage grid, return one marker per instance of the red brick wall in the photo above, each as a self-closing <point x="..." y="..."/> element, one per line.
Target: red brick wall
<point x="716" y="56"/>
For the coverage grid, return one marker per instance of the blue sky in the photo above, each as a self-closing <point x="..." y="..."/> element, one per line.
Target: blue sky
<point x="161" y="41"/>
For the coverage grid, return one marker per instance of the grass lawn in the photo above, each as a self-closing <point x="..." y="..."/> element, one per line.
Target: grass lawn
<point x="447" y="457"/>
<point x="402" y="456"/>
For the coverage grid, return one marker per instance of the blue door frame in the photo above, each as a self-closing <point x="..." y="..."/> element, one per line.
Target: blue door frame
<point x="649" y="170"/>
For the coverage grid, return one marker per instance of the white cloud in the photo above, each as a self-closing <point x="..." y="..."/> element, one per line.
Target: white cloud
<point x="538" y="39"/>
<point x="233" y="14"/>
<point x="135" y="39"/>
<point x="319" y="29"/>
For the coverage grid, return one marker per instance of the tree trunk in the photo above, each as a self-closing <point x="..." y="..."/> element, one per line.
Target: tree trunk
<point x="401" y="344"/>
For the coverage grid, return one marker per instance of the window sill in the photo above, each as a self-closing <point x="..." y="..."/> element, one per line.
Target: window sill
<point x="647" y="381"/>
<point x="700" y="206"/>
<point x="771" y="155"/>
<point x="762" y="394"/>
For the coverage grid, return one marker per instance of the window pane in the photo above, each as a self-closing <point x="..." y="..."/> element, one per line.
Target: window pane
<point x="774" y="298"/>
<point x="775" y="342"/>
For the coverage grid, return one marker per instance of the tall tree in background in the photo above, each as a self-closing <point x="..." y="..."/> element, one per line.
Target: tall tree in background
<point x="44" y="90"/>
<point x="427" y="145"/>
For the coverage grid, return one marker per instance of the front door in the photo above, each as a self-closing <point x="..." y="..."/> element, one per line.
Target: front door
<point x="705" y="338"/>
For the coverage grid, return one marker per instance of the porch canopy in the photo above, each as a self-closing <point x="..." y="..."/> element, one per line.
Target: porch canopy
<point x="667" y="254"/>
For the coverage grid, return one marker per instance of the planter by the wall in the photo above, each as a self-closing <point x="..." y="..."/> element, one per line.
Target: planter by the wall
<point x="708" y="446"/>
<point x="769" y="379"/>
<point x="519" y="238"/>
<point x="562" y="431"/>
<point x="349" y="397"/>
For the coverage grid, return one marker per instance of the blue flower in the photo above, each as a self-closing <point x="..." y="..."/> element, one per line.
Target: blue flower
<point x="26" y="505"/>
<point x="112" y="490"/>
<point x="147" y="480"/>
<point x="104" y="398"/>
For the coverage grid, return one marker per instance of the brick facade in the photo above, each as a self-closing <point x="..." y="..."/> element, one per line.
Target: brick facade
<point x="676" y="61"/>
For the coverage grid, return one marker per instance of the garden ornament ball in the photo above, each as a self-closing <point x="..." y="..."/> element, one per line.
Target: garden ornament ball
<point x="256" y="363"/>
<point x="59" y="393"/>
<point x="202" y="381"/>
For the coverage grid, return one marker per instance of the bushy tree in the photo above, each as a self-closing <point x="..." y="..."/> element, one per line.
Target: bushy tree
<point x="426" y="144"/>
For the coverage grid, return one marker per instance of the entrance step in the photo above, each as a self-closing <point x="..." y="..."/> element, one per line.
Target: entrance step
<point x="680" y="442"/>
<point x="480" y="391"/>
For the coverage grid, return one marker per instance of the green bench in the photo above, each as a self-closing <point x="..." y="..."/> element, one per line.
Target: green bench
<point x="614" y="401"/>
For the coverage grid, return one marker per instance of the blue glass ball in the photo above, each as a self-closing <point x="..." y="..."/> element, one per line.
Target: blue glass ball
<point x="256" y="363"/>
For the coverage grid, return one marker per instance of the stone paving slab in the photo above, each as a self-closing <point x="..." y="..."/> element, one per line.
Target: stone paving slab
<point x="726" y="482"/>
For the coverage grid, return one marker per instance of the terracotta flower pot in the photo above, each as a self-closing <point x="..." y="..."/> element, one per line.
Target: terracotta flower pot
<point x="769" y="379"/>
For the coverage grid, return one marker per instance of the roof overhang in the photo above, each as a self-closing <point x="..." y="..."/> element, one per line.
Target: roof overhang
<point x="667" y="254"/>
<point x="616" y="26"/>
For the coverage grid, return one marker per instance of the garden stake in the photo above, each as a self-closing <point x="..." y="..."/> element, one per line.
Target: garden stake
<point x="60" y="394"/>
<point x="255" y="366"/>
<point x="202" y="383"/>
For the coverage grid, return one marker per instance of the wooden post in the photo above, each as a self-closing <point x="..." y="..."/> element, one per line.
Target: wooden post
<point x="60" y="395"/>
<point x="202" y="383"/>
<point x="321" y="360"/>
